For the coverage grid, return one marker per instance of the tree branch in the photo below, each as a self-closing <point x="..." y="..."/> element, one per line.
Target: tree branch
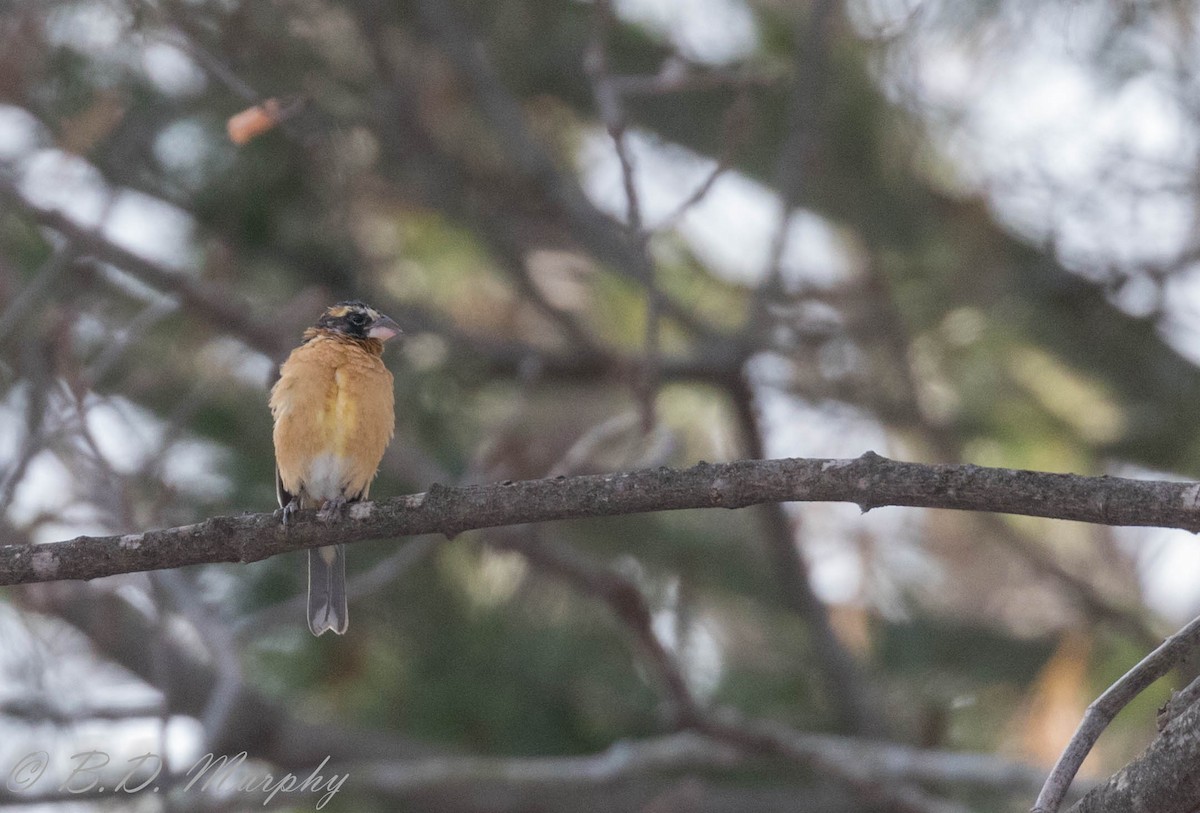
<point x="870" y="481"/>
<point x="857" y="708"/>
<point x="263" y="726"/>
<point x="692" y="751"/>
<point x="1163" y="779"/>
<point x="1102" y="711"/>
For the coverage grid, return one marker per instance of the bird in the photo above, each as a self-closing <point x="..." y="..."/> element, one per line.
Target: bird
<point x="334" y="414"/>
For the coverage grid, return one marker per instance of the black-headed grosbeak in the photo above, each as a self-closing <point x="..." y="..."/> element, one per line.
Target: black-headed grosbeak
<point x="334" y="413"/>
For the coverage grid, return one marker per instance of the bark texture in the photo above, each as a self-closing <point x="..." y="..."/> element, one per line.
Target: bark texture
<point x="870" y="481"/>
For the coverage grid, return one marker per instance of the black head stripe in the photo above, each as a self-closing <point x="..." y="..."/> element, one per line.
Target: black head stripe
<point x="350" y="318"/>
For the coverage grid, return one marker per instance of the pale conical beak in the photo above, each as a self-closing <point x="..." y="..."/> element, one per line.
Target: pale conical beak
<point x="383" y="329"/>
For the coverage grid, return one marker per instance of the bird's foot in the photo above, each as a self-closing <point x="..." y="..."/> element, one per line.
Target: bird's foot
<point x="288" y="512"/>
<point x="332" y="510"/>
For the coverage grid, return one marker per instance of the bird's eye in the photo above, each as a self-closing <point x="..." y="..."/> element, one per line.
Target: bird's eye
<point x="358" y="319"/>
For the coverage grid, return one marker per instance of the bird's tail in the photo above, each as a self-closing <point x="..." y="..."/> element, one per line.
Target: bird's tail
<point x="327" y="590"/>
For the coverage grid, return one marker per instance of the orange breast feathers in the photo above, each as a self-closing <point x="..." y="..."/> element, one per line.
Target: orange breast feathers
<point x="334" y="412"/>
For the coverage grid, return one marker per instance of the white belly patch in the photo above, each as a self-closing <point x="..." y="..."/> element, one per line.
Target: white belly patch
<point x="326" y="477"/>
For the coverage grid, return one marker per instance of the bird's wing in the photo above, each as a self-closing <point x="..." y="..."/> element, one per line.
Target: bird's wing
<point x="281" y="493"/>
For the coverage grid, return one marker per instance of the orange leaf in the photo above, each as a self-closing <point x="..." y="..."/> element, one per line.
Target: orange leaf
<point x="253" y="122"/>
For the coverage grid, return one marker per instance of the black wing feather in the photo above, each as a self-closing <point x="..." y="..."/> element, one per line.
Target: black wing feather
<point x="281" y="493"/>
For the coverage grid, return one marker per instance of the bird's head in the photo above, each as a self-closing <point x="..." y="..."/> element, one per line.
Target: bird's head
<point x="356" y="321"/>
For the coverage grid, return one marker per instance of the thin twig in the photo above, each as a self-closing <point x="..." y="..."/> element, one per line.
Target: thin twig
<point x="612" y="113"/>
<point x="259" y="724"/>
<point x="208" y="302"/>
<point x="692" y="751"/>
<point x="1088" y="595"/>
<point x="45" y="278"/>
<point x="383" y="574"/>
<point x="856" y="708"/>
<point x="1162" y="779"/>
<point x="611" y="107"/>
<point x="219" y="641"/>
<point x="591" y="228"/>
<point x="233" y="314"/>
<point x="516" y="266"/>
<point x="1104" y="708"/>
<point x="623" y="598"/>
<point x="677" y="76"/>
<point x="36" y="408"/>
<point x="735" y="132"/>
<point x="626" y="602"/>
<point x="765" y="737"/>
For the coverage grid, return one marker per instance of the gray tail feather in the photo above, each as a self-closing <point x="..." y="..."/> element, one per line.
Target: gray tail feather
<point x="327" y="590"/>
